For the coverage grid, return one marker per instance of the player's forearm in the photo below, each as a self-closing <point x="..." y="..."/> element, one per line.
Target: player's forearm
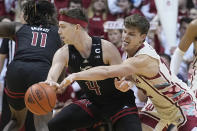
<point x="100" y="73"/>
<point x="91" y="74"/>
<point x="54" y="73"/>
<point x="52" y="77"/>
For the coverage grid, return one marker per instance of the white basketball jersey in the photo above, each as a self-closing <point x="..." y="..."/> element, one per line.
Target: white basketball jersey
<point x="168" y="94"/>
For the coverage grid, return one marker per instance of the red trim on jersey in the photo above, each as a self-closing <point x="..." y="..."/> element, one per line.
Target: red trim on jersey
<point x="14" y="93"/>
<point x="164" y="77"/>
<point x="73" y="20"/>
<point x="83" y="106"/>
<point x="194" y="62"/>
<point x="11" y="95"/>
<point x="141" y="46"/>
<point x="168" y="100"/>
<point x="193" y="78"/>
<point x="120" y="116"/>
<point x="123" y="113"/>
<point x="126" y="109"/>
<point x="154" y="77"/>
<point x="149" y="119"/>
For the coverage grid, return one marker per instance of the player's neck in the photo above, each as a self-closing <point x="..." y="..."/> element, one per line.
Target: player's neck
<point x="134" y="50"/>
<point x="84" y="45"/>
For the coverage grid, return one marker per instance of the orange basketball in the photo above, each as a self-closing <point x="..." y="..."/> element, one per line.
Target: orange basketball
<point x="40" y="98"/>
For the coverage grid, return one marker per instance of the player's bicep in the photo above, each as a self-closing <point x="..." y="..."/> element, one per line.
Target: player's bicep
<point x="143" y="65"/>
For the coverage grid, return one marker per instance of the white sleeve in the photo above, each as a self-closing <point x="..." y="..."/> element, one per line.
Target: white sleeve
<point x="176" y="60"/>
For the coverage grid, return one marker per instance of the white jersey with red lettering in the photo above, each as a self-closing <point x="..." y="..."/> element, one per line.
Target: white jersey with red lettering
<point x="171" y="98"/>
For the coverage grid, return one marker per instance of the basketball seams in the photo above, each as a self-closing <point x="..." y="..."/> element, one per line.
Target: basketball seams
<point x="37" y="101"/>
<point x="29" y="107"/>
<point x="46" y="96"/>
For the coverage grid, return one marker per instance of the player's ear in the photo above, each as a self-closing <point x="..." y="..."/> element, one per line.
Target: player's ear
<point x="143" y="36"/>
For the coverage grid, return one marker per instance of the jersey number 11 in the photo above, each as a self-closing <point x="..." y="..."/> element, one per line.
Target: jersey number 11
<point x="35" y="38"/>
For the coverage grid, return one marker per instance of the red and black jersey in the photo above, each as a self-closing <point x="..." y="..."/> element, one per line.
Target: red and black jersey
<point x="37" y="43"/>
<point x="103" y="92"/>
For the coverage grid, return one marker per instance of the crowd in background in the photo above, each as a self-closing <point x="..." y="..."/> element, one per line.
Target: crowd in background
<point x="106" y="20"/>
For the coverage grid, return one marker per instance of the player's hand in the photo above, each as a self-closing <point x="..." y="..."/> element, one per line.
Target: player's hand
<point x="53" y="84"/>
<point x="66" y="82"/>
<point x="122" y="84"/>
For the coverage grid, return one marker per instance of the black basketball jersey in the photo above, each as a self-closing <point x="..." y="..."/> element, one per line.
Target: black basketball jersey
<point x="37" y="43"/>
<point x="99" y="92"/>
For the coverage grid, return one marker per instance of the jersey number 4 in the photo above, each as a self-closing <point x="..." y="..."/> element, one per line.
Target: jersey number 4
<point x="35" y="39"/>
<point x="92" y="85"/>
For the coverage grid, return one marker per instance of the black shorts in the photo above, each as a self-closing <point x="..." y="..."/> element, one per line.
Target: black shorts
<point x="83" y="114"/>
<point x="21" y="75"/>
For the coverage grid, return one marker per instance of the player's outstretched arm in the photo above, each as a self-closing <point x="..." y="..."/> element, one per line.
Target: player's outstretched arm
<point x="140" y="65"/>
<point x="59" y="62"/>
<point x="186" y="41"/>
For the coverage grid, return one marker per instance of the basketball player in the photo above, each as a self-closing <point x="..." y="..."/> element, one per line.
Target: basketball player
<point x="37" y="41"/>
<point x="103" y="101"/>
<point x="188" y="38"/>
<point x="173" y="101"/>
<point x="7" y="51"/>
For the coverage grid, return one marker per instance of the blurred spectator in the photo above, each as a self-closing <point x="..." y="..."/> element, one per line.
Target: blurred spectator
<point x="114" y="36"/>
<point x="97" y="14"/>
<point x="2" y="8"/>
<point x="195" y="3"/>
<point x="155" y="38"/>
<point x="60" y="4"/>
<point x="73" y="4"/>
<point x="7" y="8"/>
<point x="113" y="7"/>
<point x="183" y="8"/>
<point x="193" y="13"/>
<point x="148" y="8"/>
<point x="125" y="7"/>
<point x="114" y="33"/>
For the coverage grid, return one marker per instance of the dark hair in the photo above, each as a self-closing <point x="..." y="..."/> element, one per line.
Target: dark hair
<point x="75" y="13"/>
<point x="40" y="12"/>
<point x="186" y="20"/>
<point x="75" y="1"/>
<point x="138" y="21"/>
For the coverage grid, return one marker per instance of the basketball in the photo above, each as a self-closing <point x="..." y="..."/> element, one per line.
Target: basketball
<point x="40" y="98"/>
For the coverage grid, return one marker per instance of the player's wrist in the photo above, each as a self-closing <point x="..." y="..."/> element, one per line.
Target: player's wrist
<point x="75" y="76"/>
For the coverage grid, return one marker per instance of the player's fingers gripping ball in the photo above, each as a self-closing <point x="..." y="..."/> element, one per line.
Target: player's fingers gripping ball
<point x="40" y="98"/>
